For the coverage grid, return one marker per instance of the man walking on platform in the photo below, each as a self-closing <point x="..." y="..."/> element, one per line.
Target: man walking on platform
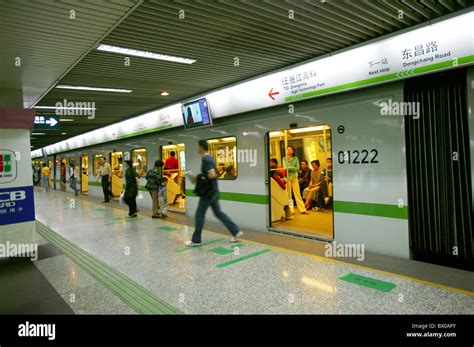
<point x="206" y="188"/>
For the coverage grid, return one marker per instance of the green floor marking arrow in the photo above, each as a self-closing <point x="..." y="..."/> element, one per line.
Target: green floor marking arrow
<point x="245" y="257"/>
<point x="167" y="228"/>
<point x="368" y="282"/>
<point x="221" y="250"/>
<point x="202" y="244"/>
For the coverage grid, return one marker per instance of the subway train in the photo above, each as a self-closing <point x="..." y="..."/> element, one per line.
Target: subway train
<point x="400" y="154"/>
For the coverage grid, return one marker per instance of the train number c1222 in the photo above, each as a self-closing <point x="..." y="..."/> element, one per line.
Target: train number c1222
<point x="364" y="156"/>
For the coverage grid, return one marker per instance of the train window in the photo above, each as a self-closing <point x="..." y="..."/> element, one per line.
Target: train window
<point x="139" y="161"/>
<point x="224" y="151"/>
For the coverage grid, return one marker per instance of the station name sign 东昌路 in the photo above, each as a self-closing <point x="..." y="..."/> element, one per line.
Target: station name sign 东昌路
<point x="46" y="122"/>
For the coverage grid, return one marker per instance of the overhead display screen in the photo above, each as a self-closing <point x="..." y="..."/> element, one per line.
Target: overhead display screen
<point x="196" y="114"/>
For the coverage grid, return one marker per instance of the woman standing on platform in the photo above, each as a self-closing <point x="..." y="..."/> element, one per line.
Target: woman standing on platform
<point x="292" y="164"/>
<point x="131" y="188"/>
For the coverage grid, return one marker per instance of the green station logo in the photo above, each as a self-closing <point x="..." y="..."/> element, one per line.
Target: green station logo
<point x="8" y="170"/>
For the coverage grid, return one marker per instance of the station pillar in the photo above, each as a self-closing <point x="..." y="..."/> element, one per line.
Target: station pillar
<point x="17" y="209"/>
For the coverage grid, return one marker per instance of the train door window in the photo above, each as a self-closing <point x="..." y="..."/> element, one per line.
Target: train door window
<point x="116" y="163"/>
<point x="224" y="151"/>
<point x="139" y="161"/>
<point x="84" y="174"/>
<point x="300" y="178"/>
<point x="173" y="169"/>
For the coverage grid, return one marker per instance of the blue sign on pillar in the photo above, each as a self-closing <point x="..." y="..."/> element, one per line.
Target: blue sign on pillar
<point x="16" y="205"/>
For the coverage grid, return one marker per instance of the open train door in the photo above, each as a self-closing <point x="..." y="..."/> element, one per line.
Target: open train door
<point x="84" y="174"/>
<point x="293" y="154"/>
<point x="174" y="159"/>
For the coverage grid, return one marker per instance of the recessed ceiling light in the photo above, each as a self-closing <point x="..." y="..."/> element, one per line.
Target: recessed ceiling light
<point x="164" y="93"/>
<point x="66" y="120"/>
<point x="63" y="133"/>
<point x="38" y="133"/>
<point x="95" y="89"/>
<point x="144" y="54"/>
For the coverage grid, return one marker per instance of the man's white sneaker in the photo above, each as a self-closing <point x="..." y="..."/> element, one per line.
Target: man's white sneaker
<point x="236" y="237"/>
<point x="191" y="244"/>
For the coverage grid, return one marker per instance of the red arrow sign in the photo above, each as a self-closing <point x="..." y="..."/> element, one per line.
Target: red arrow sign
<point x="271" y="93"/>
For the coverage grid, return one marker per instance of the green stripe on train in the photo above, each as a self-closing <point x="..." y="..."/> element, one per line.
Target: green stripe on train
<point x="352" y="207"/>
<point x="370" y="209"/>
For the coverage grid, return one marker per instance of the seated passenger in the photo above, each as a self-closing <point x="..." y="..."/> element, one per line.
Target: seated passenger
<point x="324" y="198"/>
<point x="221" y="170"/>
<point x="311" y="192"/>
<point x="277" y="174"/>
<point x="230" y="173"/>
<point x="304" y="175"/>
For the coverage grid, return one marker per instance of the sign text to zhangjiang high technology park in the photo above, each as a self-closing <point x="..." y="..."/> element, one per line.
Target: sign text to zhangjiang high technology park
<point x="442" y="45"/>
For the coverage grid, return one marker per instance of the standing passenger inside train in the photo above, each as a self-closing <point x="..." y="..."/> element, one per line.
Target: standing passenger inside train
<point x="304" y="175"/>
<point x="131" y="188"/>
<point x="152" y="184"/>
<point x="292" y="165"/>
<point x="172" y="162"/>
<point x="206" y="188"/>
<point x="105" y="173"/>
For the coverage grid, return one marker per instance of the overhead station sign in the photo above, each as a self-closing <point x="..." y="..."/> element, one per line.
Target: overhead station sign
<point x="46" y="122"/>
<point x="442" y="45"/>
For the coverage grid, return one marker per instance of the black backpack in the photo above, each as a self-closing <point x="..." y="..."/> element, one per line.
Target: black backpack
<point x="203" y="185"/>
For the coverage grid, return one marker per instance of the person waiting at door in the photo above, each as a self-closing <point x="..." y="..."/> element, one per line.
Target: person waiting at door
<point x="153" y="177"/>
<point x="131" y="188"/>
<point x="292" y="164"/>
<point x="105" y="173"/>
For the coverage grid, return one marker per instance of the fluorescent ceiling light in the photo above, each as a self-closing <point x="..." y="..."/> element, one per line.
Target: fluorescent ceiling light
<point x="144" y="54"/>
<point x="38" y="133"/>
<point x="63" y="133"/>
<point x="305" y="130"/>
<point x="95" y="89"/>
<point x="164" y="93"/>
<point x="63" y="108"/>
<point x="66" y="120"/>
